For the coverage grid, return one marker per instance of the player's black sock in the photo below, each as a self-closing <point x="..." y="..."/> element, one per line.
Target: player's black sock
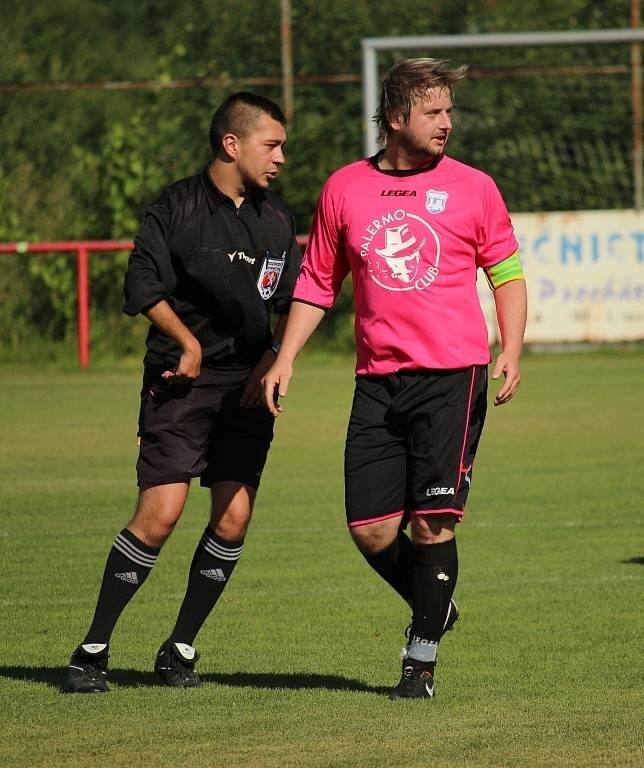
<point x="128" y="565"/>
<point x="395" y="565"/>
<point x="435" y="574"/>
<point x="212" y="566"/>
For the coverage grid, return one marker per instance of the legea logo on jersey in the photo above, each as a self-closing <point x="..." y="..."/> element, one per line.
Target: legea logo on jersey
<point x="402" y="251"/>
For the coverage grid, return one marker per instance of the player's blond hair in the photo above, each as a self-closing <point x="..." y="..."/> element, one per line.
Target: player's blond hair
<point x="406" y="82"/>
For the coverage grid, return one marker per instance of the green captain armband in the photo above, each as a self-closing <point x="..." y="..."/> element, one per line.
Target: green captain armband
<point x="505" y="271"/>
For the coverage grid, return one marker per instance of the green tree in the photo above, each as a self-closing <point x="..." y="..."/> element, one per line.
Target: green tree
<point x="85" y="164"/>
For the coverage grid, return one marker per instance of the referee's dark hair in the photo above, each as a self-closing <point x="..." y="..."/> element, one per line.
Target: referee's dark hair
<point x="238" y="113"/>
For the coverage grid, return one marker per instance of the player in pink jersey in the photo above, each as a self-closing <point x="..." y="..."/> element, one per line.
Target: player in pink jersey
<point x="412" y="226"/>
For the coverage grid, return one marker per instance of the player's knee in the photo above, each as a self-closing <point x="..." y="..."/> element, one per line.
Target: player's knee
<point x="233" y="522"/>
<point x="232" y="507"/>
<point x="371" y="539"/>
<point x="432" y="529"/>
<point x="156" y="515"/>
<point x="161" y="532"/>
<point x="153" y="531"/>
<point x="233" y="526"/>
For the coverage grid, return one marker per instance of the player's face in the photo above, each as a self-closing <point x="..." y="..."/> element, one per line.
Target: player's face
<point x="261" y="153"/>
<point x="429" y="126"/>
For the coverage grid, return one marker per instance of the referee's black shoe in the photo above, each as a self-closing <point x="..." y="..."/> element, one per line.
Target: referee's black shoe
<point x="416" y="681"/>
<point x="175" y="665"/>
<point x="87" y="671"/>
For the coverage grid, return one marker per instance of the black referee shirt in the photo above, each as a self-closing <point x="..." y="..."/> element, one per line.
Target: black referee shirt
<point x="222" y="269"/>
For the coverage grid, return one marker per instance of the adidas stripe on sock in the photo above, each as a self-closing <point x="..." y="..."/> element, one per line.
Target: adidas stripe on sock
<point x="128" y="565"/>
<point x="132" y="548"/>
<point x="219" y="548"/>
<point x="211" y="568"/>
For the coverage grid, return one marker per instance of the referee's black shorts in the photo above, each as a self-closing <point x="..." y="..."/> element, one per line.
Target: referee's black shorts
<point x="198" y="429"/>
<point x="411" y="442"/>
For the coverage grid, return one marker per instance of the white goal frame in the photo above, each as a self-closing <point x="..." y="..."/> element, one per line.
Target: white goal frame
<point x="371" y="46"/>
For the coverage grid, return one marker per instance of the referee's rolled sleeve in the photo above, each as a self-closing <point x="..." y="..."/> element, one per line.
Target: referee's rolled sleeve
<point x="150" y="276"/>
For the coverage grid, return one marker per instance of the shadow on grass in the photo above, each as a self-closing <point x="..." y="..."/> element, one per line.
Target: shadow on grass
<point x="634" y="561"/>
<point x="292" y="681"/>
<point x="132" y="678"/>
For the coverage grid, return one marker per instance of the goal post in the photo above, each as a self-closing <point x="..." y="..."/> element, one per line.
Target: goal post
<point x="560" y="131"/>
<point x="373" y="46"/>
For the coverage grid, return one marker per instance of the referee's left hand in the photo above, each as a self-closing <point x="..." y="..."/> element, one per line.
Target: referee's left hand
<point x="252" y="396"/>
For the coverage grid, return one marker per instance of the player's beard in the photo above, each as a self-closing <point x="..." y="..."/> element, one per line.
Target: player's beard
<point x="418" y="152"/>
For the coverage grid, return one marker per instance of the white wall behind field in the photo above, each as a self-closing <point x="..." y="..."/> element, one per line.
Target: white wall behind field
<point x="585" y="276"/>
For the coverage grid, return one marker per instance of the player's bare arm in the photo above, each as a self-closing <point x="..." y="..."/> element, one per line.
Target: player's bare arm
<point x="303" y="319"/>
<point x="253" y="395"/>
<point x="189" y="365"/>
<point x="511" y="310"/>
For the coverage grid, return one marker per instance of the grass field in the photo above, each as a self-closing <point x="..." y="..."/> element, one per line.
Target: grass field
<point x="544" y="669"/>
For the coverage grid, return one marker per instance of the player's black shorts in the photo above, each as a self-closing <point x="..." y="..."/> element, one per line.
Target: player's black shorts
<point x="411" y="442"/>
<point x="198" y="430"/>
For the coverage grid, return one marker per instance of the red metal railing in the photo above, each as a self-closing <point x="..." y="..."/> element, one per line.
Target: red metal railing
<point x="82" y="249"/>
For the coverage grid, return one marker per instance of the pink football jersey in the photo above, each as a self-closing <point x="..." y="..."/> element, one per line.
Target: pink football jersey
<point x="412" y="241"/>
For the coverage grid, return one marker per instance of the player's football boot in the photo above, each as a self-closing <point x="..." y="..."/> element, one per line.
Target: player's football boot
<point x="416" y="681"/>
<point x="87" y="671"/>
<point x="175" y="665"/>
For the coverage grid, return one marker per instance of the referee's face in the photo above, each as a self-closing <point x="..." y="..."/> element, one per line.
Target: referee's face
<point x="261" y="152"/>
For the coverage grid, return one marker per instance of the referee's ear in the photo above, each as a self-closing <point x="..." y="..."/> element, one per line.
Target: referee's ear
<point x="230" y="145"/>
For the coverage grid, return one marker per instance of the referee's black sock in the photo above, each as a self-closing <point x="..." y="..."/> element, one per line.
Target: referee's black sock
<point x="212" y="566"/>
<point x="435" y="574"/>
<point x="128" y="565"/>
<point x="395" y="565"/>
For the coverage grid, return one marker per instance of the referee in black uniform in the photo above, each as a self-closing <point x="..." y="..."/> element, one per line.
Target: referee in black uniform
<point x="216" y="254"/>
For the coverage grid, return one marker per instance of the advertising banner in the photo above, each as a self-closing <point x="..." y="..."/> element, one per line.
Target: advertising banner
<point x="585" y="276"/>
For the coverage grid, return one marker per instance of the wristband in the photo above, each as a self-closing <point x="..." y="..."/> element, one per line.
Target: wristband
<point x="275" y="347"/>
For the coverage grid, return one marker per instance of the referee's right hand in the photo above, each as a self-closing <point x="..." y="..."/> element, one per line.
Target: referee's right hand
<point x="166" y="320"/>
<point x="188" y="367"/>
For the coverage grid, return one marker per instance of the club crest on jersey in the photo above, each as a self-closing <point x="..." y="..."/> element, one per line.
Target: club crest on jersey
<point x="402" y="251"/>
<point x="435" y="201"/>
<point x="270" y="274"/>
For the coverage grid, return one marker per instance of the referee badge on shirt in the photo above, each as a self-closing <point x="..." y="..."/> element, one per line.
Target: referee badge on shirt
<point x="270" y="274"/>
